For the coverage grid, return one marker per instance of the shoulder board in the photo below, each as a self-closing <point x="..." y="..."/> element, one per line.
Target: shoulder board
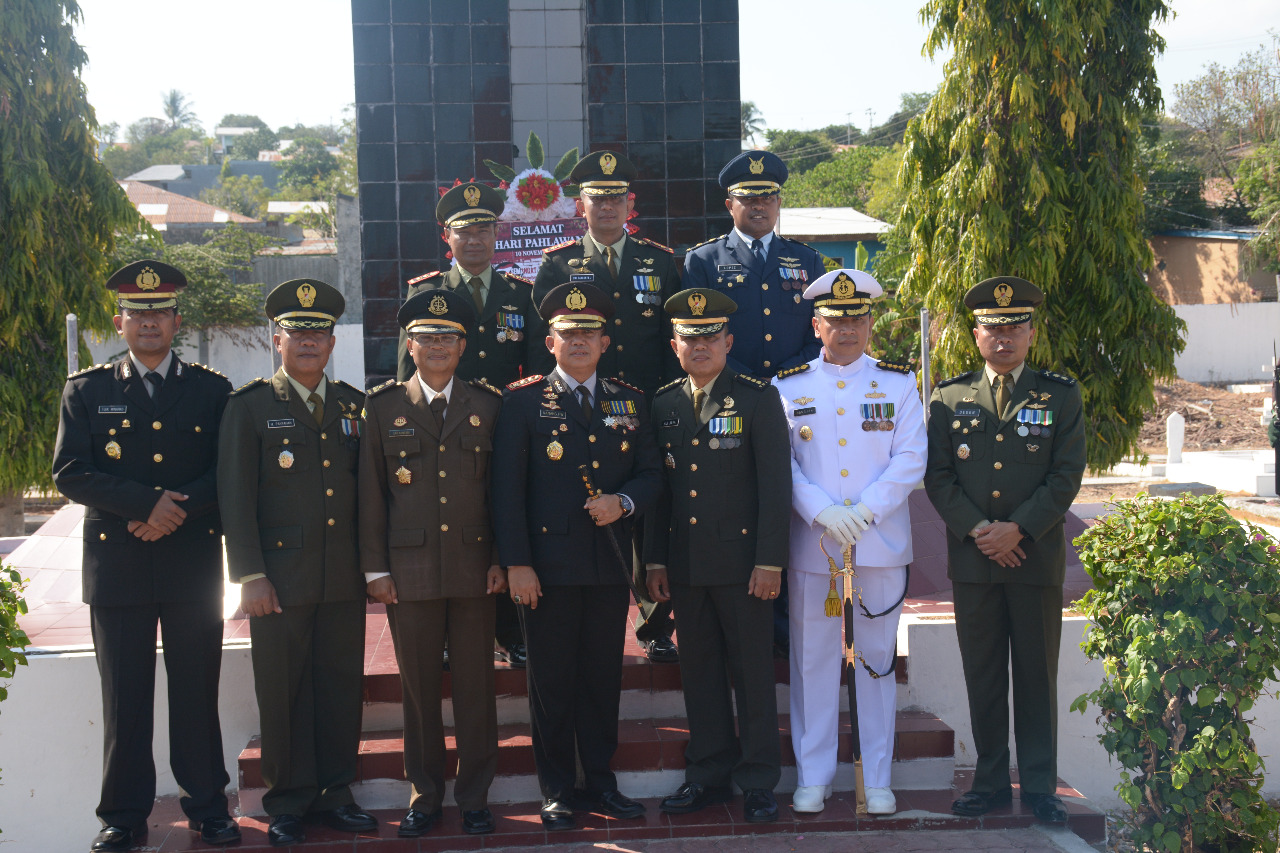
<point x="674" y="383"/>
<point x="510" y="276"/>
<point x="522" y="383"/>
<point x="347" y="386"/>
<point x="625" y="385"/>
<point x="895" y="366"/>
<point x="558" y="246"/>
<point x="655" y="244"/>
<point x="793" y="371"/>
<point x="252" y="383"/>
<point x="206" y="368"/>
<point x="90" y="369"/>
<point x="1057" y="377"/>
<point x="752" y="381"/>
<point x="800" y="243"/>
<point x="424" y="277"/>
<point x="485" y="386"/>
<point x="954" y="379"/>
<point x="376" y="390"/>
<point x="708" y="242"/>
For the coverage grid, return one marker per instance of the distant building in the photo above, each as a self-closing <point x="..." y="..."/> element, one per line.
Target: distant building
<point x="1206" y="268"/>
<point x="181" y="219"/>
<point x="833" y="231"/>
<point x="193" y="180"/>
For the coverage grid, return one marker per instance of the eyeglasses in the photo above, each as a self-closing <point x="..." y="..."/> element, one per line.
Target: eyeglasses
<point x="426" y="339"/>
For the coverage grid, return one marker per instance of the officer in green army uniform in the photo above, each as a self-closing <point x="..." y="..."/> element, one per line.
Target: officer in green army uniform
<point x="639" y="276"/>
<point x="1006" y="456"/>
<point x="288" y="456"/>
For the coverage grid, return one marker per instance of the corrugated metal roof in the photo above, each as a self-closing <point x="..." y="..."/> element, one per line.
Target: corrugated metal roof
<point x="163" y="172"/>
<point x="163" y="207"/>
<point x="830" y="223"/>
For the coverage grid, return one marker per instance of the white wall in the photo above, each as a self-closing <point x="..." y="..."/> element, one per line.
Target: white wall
<point x="244" y="361"/>
<point x="1229" y="343"/>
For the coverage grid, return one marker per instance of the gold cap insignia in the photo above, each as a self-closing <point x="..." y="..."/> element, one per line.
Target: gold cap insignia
<point x="575" y="301"/>
<point x="1003" y="294"/>
<point x="843" y="287"/>
<point x="147" y="279"/>
<point x="306" y="295"/>
<point x="697" y="303"/>
<point x="608" y="163"/>
<point x="756" y="166"/>
<point x="438" y="305"/>
<point x="472" y="195"/>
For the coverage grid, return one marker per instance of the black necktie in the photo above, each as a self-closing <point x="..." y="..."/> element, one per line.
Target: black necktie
<point x="437" y="410"/>
<point x="757" y="248"/>
<point x="586" y="401"/>
<point x="156" y="381"/>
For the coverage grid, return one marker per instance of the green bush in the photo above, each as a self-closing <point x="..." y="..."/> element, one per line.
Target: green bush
<point x="1186" y="618"/>
<point x="12" y="638"/>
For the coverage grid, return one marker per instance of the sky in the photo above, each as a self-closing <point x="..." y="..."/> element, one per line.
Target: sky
<point x="828" y="62"/>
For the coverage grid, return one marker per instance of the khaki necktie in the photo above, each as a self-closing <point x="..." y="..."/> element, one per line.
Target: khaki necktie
<point x="477" y="296"/>
<point x="317" y="403"/>
<point x="699" y="397"/>
<point x="612" y="260"/>
<point x="437" y="410"/>
<point x="1002" y="393"/>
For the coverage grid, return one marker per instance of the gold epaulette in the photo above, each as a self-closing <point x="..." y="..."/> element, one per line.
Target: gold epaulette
<point x="347" y="386"/>
<point x="707" y="242"/>
<point x="1057" y="377"/>
<point x="206" y="368"/>
<point x="655" y="244"/>
<point x="411" y="282"/>
<point x="90" y="369"/>
<point x="558" y="246"/>
<point x="954" y="379"/>
<point x="522" y="383"/>
<point x="895" y="366"/>
<point x="674" y="383"/>
<point x="485" y="386"/>
<point x="625" y="385"/>
<point x="252" y="383"/>
<point x="378" y="389"/>
<point x="794" y="371"/>
<point x="510" y="276"/>
<point x="752" y="380"/>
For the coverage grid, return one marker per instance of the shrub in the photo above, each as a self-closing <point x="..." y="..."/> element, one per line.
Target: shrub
<point x="1186" y="618"/>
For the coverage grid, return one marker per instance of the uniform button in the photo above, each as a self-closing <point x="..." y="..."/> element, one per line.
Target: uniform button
<point x="328" y="493"/>
<point x="621" y="373"/>
<point x="999" y="465"/>
<point x="617" y="296"/>
<point x="768" y="337"/>
<point x="693" y="493"/>
<point x="617" y="322"/>
<point x="482" y="354"/>
<point x="286" y="441"/>
<point x="844" y="472"/>
<point x="332" y="522"/>
<point x="102" y="536"/>
<point x="619" y="347"/>
<point x="840" y="411"/>
<point x="840" y="384"/>
<point x="159" y="489"/>
<point x="695" y="442"/>
<point x="996" y="493"/>
<point x="744" y="531"/>
<point x="591" y="438"/>
<point x="693" y="467"/>
<point x="442" y="448"/>
<point x="693" y="520"/>
<point x="326" y="463"/>
<point x="480" y="330"/>
<point x="766" y="312"/>
<point x="159" y="457"/>
<point x="444" y="528"/>
<point x="155" y="425"/>
<point x="441" y="473"/>
<point x="764" y="287"/>
<point x="197" y="429"/>
<point x="848" y="502"/>
<point x="323" y="436"/>
<point x="768" y="364"/>
<point x="211" y="531"/>
<point x="111" y="431"/>
<point x="544" y="530"/>
<point x="443" y="499"/>
<point x="668" y="445"/>
<point x="999" y="438"/>
<point x="279" y="544"/>
<point x="595" y="464"/>
<point x="402" y="454"/>
<point x="843" y="442"/>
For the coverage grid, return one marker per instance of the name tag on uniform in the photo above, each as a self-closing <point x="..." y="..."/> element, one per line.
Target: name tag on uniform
<point x="582" y="276"/>
<point x="968" y="412"/>
<point x="672" y="422"/>
<point x="112" y="410"/>
<point x="280" y="423"/>
<point x="551" y="413"/>
<point x="392" y="433"/>
<point x="728" y="267"/>
<point x="809" y="410"/>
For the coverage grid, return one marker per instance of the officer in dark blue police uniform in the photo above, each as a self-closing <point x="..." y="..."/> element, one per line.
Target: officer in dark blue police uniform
<point x="564" y="572"/>
<point x="137" y="445"/>
<point x="763" y="272"/>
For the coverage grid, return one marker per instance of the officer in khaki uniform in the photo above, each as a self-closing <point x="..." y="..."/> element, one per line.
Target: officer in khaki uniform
<point x="287" y="463"/>
<point x="1006" y="455"/>
<point x="427" y="553"/>
<point x="716" y="544"/>
<point x="498" y="332"/>
<point x="637" y="275"/>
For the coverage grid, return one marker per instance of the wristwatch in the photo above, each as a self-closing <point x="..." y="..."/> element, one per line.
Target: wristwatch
<point x="627" y="506"/>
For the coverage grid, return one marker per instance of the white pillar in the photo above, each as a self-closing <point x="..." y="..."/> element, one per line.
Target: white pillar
<point x="1175" y="428"/>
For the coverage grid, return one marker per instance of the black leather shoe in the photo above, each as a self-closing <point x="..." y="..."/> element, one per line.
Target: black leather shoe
<point x="477" y="821"/>
<point x="515" y="655"/>
<point x="285" y="829"/>
<point x="416" y="823"/>
<point x="113" y="838"/>
<point x="759" y="805"/>
<point x="976" y="803"/>
<point x="1046" y="807"/>
<point x="691" y="797"/>
<point x="662" y="650"/>
<point x="216" y="830"/>
<point x="349" y="818"/>
<point x="613" y="804"/>
<point x="556" y="815"/>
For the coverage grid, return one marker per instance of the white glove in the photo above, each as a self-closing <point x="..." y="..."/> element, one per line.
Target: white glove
<point x="863" y="516"/>
<point x="839" y="525"/>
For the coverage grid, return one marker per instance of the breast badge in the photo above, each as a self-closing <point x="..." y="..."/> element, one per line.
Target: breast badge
<point x="474" y="420"/>
<point x="285" y="459"/>
<point x="555" y="450"/>
<point x="963" y="451"/>
<point x="625" y="447"/>
<point x="671" y="461"/>
<point x="113" y="450"/>
<point x="805" y="433"/>
<point x="400" y="421"/>
<point x="404" y="475"/>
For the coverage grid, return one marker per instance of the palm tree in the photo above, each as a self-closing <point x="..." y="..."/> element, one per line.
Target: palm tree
<point x="752" y="121"/>
<point x="178" y="110"/>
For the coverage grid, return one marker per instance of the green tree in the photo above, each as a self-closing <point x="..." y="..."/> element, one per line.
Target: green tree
<point x="1259" y="181"/>
<point x="843" y="134"/>
<point x="242" y="120"/>
<point x="1025" y="163"/>
<point x="179" y="110"/>
<point x="61" y="210"/>
<point x="886" y="191"/>
<point x="801" y="150"/>
<point x="306" y="163"/>
<point x="843" y="181"/>
<point x="1173" y="189"/>
<point x="752" y="122"/>
<point x="344" y="182"/>
<point x="911" y="104"/>
<point x="246" y="194"/>
<point x="122" y="161"/>
<point x="247" y="146"/>
<point x="332" y="134"/>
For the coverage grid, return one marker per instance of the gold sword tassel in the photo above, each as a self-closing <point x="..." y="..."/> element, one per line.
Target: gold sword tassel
<point x="831" y="606"/>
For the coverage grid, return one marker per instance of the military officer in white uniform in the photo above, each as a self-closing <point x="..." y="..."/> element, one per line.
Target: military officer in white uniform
<point x="857" y="452"/>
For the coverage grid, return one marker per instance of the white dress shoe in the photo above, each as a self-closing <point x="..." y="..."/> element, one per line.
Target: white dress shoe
<point x="881" y="801"/>
<point x="809" y="798"/>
